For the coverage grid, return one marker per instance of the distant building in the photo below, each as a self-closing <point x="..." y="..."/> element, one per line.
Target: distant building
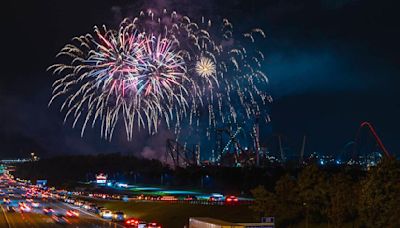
<point x="101" y="179"/>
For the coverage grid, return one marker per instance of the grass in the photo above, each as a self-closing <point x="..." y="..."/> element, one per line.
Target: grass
<point x="176" y="215"/>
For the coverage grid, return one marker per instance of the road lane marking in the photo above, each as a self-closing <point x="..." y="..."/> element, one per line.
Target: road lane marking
<point x="5" y="216"/>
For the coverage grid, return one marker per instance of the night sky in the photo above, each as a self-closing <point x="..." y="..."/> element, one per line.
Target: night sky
<point x="331" y="64"/>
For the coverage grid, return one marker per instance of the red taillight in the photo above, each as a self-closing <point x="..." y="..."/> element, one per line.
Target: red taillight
<point x="131" y="221"/>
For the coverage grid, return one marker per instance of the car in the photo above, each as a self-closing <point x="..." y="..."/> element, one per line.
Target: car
<point x="215" y="199"/>
<point x="106" y="214"/>
<point x="59" y="218"/>
<point x="70" y="200"/>
<point x="19" y="196"/>
<point x="35" y="204"/>
<point x="72" y="213"/>
<point x="24" y="208"/>
<point x="78" y="203"/>
<point x="10" y="208"/>
<point x="98" y="210"/>
<point x="86" y="206"/>
<point x="231" y="199"/>
<point x="158" y="198"/>
<point x="45" y="196"/>
<point x="136" y="223"/>
<point x="190" y="198"/>
<point x="48" y="211"/>
<point x="91" y="207"/>
<point x="6" y="200"/>
<point x="118" y="216"/>
<point x="169" y="198"/>
<point x="153" y="225"/>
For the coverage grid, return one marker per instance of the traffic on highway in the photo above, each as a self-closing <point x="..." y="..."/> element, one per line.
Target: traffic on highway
<point x="25" y="205"/>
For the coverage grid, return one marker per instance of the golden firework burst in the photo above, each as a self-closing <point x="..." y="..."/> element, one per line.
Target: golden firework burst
<point x="205" y="67"/>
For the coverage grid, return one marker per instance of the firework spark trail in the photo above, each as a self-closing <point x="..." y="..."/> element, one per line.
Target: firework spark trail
<point x="119" y="73"/>
<point x="161" y="68"/>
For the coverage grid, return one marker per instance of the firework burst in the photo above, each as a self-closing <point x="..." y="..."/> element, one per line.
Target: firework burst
<point x="121" y="73"/>
<point x="162" y="68"/>
<point x="205" y="67"/>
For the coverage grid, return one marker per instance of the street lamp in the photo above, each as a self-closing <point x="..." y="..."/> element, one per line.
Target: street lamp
<point x="306" y="206"/>
<point x="202" y="180"/>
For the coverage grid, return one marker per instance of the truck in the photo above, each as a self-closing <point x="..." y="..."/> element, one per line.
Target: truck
<point x="205" y="222"/>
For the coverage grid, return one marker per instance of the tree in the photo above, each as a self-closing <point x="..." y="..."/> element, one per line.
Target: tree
<point x="289" y="206"/>
<point x="313" y="193"/>
<point x="283" y="203"/>
<point x="342" y="200"/>
<point x="265" y="202"/>
<point x="380" y="195"/>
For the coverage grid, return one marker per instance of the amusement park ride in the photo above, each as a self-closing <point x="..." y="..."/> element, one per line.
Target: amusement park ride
<point x="368" y="156"/>
<point x="229" y="151"/>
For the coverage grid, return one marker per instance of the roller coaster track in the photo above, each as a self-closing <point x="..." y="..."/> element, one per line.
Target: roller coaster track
<point x="180" y="155"/>
<point x="376" y="137"/>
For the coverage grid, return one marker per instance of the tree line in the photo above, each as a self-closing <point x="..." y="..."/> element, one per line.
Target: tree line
<point x="319" y="196"/>
<point x="67" y="171"/>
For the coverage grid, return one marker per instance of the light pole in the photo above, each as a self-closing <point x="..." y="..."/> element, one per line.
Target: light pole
<point x="202" y="180"/>
<point x="306" y="206"/>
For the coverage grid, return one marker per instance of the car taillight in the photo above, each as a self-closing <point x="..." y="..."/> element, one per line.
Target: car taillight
<point x="132" y="222"/>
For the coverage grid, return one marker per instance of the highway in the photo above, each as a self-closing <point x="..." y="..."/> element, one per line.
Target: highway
<point x="36" y="217"/>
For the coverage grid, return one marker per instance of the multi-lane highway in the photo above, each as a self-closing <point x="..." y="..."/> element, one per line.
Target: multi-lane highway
<point x="36" y="218"/>
<point x="11" y="214"/>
